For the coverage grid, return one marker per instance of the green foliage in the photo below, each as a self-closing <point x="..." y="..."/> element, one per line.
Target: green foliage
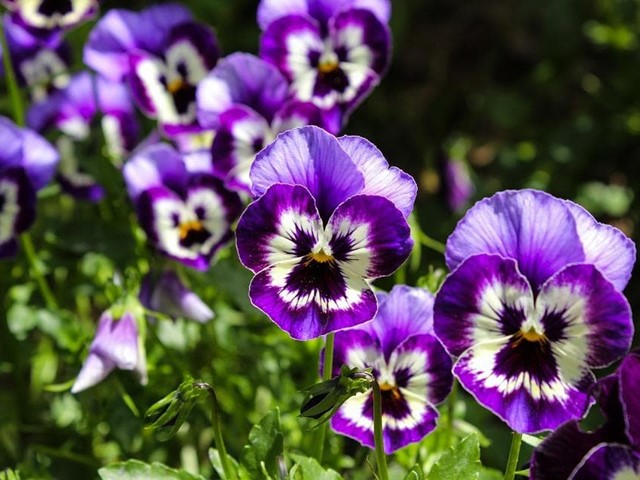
<point x="306" y="468"/>
<point x="461" y="462"/>
<point x="137" y="470"/>
<point x="266" y="445"/>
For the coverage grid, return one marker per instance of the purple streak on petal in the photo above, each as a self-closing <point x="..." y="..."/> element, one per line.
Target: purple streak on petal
<point x="532" y="227"/>
<point x="155" y="165"/>
<point x="608" y="462"/>
<point x="282" y="224"/>
<point x="629" y="376"/>
<point x="355" y="347"/>
<point x="310" y="157"/>
<point x="200" y="36"/>
<point x="483" y="293"/>
<point x="121" y="32"/>
<point x="605" y="246"/>
<point x="369" y="236"/>
<point x="403" y="312"/>
<point x="379" y="178"/>
<point x="240" y="78"/>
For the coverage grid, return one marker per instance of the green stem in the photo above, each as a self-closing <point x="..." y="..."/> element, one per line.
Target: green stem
<point x="327" y="370"/>
<point x="15" y="94"/>
<point x="451" y="412"/>
<point x="217" y="430"/>
<point x="431" y="243"/>
<point x="381" y="458"/>
<point x="34" y="263"/>
<point x="514" y="453"/>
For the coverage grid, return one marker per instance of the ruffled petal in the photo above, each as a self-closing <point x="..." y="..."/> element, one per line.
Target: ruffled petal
<point x="608" y="462"/>
<point x="628" y="374"/>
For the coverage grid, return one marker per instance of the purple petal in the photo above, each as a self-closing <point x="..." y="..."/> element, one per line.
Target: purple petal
<point x="121" y="32"/>
<point x="310" y="157"/>
<point x="281" y="225"/>
<point x="17" y="208"/>
<point x="379" y="178"/>
<point x="94" y="369"/>
<point x="296" y="114"/>
<point x="153" y="166"/>
<point x="608" y="462"/>
<point x="532" y="227"/>
<point x="243" y="79"/>
<point x="605" y="246"/>
<point x="628" y="374"/>
<point x="457" y="185"/>
<point x="117" y="340"/>
<point x="43" y="17"/>
<point x="271" y="10"/>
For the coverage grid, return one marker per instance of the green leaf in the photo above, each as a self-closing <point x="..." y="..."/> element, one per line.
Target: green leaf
<point x="490" y="474"/>
<point x="415" y="474"/>
<point x="307" y="468"/>
<point x="266" y="443"/>
<point x="9" y="475"/>
<point x="137" y="470"/>
<point x="461" y="462"/>
<point x="214" y="458"/>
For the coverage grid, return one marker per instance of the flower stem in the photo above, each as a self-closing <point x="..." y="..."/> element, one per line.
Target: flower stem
<point x="431" y="243"/>
<point x="30" y="252"/>
<point x="326" y="375"/>
<point x="514" y="453"/>
<point x="15" y="94"/>
<point x="381" y="458"/>
<point x="217" y="430"/>
<point x="451" y="412"/>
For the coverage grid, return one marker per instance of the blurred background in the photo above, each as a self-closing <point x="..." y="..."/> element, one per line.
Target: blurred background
<point x="492" y="95"/>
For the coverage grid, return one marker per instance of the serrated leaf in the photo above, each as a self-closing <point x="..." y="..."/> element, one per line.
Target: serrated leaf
<point x="461" y="462"/>
<point x="266" y="443"/>
<point x="137" y="470"/>
<point x="307" y="468"/>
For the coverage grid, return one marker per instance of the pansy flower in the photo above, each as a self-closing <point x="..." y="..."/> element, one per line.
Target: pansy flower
<point x="45" y="16"/>
<point x="246" y="101"/>
<point x="116" y="344"/>
<point x="186" y="214"/>
<point x="607" y="453"/>
<point x="27" y="163"/>
<point x="532" y="304"/>
<point x="166" y="293"/>
<point x="163" y="54"/>
<point x="330" y="216"/>
<point x="332" y="53"/>
<point x="408" y="362"/>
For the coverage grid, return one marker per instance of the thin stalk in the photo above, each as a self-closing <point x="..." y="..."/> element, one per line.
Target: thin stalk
<point x="514" y="453"/>
<point x="217" y="430"/>
<point x="451" y="407"/>
<point x="34" y="263"/>
<point x="326" y="375"/>
<point x="381" y="458"/>
<point x="15" y="94"/>
<point x="431" y="243"/>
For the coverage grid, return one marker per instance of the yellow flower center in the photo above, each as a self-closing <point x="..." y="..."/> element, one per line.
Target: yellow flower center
<point x="175" y="85"/>
<point x="532" y="335"/>
<point x="327" y="66"/>
<point x="320" y="257"/>
<point x="395" y="392"/>
<point x="192" y="226"/>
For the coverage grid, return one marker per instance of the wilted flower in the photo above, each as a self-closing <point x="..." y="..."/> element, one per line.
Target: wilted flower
<point x="115" y="345"/>
<point x="27" y="163"/>
<point x="246" y="101"/>
<point x="186" y="214"/>
<point x="332" y="53"/>
<point x="162" y="53"/>
<point x="166" y="293"/>
<point x="533" y="303"/>
<point x="410" y="365"/>
<point x="608" y="452"/>
<point x="331" y="215"/>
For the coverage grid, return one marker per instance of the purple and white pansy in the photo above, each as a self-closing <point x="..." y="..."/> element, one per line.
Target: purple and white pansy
<point x="45" y="16"/>
<point x="246" y="101"/>
<point x="332" y="53"/>
<point x="611" y="452"/>
<point x="162" y="53"/>
<point x="330" y="215"/>
<point x="532" y="304"/>
<point x="410" y="365"/>
<point x="186" y="214"/>
<point x="27" y="163"/>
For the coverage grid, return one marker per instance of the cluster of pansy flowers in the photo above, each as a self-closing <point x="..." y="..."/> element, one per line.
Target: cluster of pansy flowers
<point x="532" y="304"/>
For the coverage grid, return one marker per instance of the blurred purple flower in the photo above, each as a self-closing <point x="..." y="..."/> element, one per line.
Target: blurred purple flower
<point x="246" y="101"/>
<point x="27" y="163"/>
<point x="408" y="362"/>
<point x="44" y="17"/>
<point x="166" y="293"/>
<point x="332" y="53"/>
<point x="186" y="213"/>
<point x="457" y="185"/>
<point x="608" y="452"/>
<point x="116" y="344"/>
<point x="532" y="304"/>
<point x="330" y="216"/>
<point x="162" y="53"/>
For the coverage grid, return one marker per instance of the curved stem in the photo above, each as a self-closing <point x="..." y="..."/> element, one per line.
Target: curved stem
<point x="431" y="243"/>
<point x="514" y="453"/>
<point x="327" y="368"/>
<point x="217" y="430"/>
<point x="30" y="252"/>
<point x="381" y="458"/>
<point x="15" y="94"/>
